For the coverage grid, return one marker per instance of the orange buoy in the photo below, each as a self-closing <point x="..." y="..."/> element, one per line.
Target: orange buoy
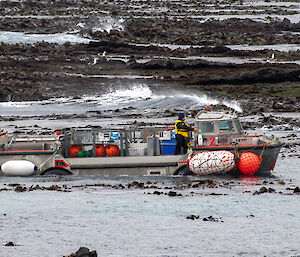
<point x="74" y="150"/>
<point x="100" y="150"/>
<point x="112" y="150"/>
<point x="249" y="163"/>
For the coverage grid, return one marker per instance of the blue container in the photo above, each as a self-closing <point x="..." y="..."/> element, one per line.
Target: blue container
<point x="168" y="146"/>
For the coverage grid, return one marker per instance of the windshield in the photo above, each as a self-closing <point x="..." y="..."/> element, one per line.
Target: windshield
<point x="206" y="127"/>
<point x="238" y="124"/>
<point x="225" y="126"/>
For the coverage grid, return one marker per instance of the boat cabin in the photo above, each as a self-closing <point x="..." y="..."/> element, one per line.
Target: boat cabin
<point x="218" y="128"/>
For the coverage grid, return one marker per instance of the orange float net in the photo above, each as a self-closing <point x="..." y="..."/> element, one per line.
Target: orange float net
<point x="249" y="163"/>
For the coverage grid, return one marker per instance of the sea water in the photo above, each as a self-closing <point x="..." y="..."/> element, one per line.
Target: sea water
<point x="135" y="222"/>
<point x="117" y="107"/>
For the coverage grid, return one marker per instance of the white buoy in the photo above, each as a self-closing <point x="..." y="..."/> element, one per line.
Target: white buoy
<point x="18" y="168"/>
<point x="212" y="162"/>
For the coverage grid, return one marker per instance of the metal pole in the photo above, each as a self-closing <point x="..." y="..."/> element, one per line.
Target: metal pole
<point x="121" y="143"/>
<point x="94" y="142"/>
<point x="126" y="143"/>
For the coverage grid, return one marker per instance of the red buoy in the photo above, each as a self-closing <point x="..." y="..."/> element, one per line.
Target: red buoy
<point x="100" y="150"/>
<point x="112" y="150"/>
<point x="249" y="163"/>
<point x="74" y="150"/>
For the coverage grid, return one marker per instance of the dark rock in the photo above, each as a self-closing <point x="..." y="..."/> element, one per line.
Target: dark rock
<point x="193" y="217"/>
<point x="121" y="186"/>
<point x="172" y="193"/>
<point x="261" y="191"/>
<point x="141" y="185"/>
<point x="213" y="219"/>
<point x="14" y="185"/>
<point x="271" y="190"/>
<point x="296" y="190"/>
<point x="19" y="188"/>
<point x="216" y="194"/>
<point x="84" y="252"/>
<point x="262" y="75"/>
<point x="53" y="188"/>
<point x="10" y="244"/>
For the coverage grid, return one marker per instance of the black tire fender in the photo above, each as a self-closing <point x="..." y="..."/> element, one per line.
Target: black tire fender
<point x="183" y="171"/>
<point x="56" y="171"/>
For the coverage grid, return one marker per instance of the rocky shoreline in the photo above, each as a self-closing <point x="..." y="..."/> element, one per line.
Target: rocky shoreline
<point x="45" y="70"/>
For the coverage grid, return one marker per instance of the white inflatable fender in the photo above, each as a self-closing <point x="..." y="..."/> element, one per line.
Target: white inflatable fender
<point x="18" y="168"/>
<point x="212" y="162"/>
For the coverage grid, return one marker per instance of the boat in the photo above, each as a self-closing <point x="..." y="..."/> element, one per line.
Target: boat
<point x="23" y="155"/>
<point x="219" y="145"/>
<point x="222" y="133"/>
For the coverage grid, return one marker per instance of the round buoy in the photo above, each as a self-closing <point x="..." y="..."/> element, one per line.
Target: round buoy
<point x="112" y="150"/>
<point x="249" y="163"/>
<point x="74" y="150"/>
<point x="100" y="150"/>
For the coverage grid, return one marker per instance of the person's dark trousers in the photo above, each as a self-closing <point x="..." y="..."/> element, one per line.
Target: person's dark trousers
<point x="180" y="142"/>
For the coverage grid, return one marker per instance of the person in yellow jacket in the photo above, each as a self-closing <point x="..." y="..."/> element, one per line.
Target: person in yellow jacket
<point x="181" y="134"/>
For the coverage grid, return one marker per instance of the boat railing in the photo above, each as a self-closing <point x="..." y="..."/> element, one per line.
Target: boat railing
<point x="130" y="142"/>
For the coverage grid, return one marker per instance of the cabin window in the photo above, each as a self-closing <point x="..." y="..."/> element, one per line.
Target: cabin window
<point x="206" y="127"/>
<point x="225" y="126"/>
<point x="238" y="124"/>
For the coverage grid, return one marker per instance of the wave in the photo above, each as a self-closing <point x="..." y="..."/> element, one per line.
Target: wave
<point x="140" y="97"/>
<point x="143" y="97"/>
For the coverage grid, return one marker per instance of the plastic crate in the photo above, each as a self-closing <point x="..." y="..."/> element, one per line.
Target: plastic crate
<point x="168" y="146"/>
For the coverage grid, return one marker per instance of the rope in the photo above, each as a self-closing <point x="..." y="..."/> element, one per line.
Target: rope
<point x="263" y="150"/>
<point x="56" y="151"/>
<point x="214" y="159"/>
<point x="9" y="144"/>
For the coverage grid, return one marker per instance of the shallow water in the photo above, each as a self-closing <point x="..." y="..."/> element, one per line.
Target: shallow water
<point x="278" y="47"/>
<point x="130" y="222"/>
<point x="21" y="37"/>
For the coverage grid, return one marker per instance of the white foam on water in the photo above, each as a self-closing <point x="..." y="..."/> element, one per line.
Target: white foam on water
<point x="233" y="104"/>
<point x="122" y="95"/>
<point x="9" y="37"/>
<point x="108" y="23"/>
<point x="147" y="98"/>
<point x="141" y="97"/>
<point x="201" y="100"/>
<point x="206" y="100"/>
